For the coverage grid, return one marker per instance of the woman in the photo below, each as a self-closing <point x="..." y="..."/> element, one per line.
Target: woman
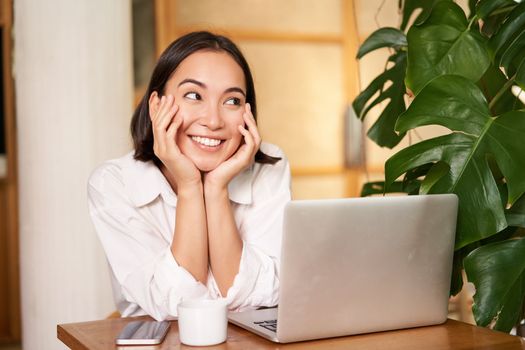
<point x="196" y="210"/>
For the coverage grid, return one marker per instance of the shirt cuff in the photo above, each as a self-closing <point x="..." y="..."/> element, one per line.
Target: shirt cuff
<point x="177" y="283"/>
<point x="257" y="282"/>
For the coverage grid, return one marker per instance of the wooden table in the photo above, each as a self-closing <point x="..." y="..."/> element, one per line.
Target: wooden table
<point x="451" y="335"/>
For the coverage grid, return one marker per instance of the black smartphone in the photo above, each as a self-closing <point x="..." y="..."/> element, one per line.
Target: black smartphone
<point x="143" y="333"/>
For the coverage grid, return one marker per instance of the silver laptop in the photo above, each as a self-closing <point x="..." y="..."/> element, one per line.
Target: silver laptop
<point x="360" y="265"/>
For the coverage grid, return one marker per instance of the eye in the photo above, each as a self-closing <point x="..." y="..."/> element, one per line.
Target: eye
<point x="193" y="96"/>
<point x="233" y="101"/>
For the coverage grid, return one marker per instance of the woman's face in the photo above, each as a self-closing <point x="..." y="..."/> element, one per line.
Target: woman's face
<point x="210" y="89"/>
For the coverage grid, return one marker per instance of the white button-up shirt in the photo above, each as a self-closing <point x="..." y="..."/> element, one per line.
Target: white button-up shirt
<point x="133" y="208"/>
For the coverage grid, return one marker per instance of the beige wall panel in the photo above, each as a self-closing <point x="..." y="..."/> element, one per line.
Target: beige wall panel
<point x="300" y="99"/>
<point x="317" y="187"/>
<point x="299" y="16"/>
<point x="372" y="14"/>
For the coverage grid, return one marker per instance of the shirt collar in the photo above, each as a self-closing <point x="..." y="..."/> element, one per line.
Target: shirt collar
<point x="145" y="182"/>
<point x="240" y="187"/>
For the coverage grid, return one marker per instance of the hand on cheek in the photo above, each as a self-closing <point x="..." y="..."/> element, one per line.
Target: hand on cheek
<point x="242" y="158"/>
<point x="166" y="125"/>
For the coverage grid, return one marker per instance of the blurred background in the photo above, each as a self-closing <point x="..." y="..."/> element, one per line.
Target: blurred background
<point x="72" y="73"/>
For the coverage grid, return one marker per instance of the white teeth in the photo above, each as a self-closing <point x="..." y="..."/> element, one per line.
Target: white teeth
<point x="206" y="141"/>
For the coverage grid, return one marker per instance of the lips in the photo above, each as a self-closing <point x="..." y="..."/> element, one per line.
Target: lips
<point x="207" y="141"/>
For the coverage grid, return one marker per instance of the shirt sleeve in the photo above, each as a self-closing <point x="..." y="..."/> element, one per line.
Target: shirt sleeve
<point x="139" y="256"/>
<point x="257" y="282"/>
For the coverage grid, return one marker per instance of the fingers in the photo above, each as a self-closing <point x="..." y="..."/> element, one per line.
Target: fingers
<point x="251" y="132"/>
<point x="164" y="125"/>
<point x="165" y="112"/>
<point x="248" y="138"/>
<point x="252" y="139"/>
<point x="171" y="133"/>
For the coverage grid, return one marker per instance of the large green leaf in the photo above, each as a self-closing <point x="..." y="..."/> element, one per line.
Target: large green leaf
<point x="435" y="174"/>
<point x="507" y="45"/>
<point x="383" y="37"/>
<point x="513" y="26"/>
<point x="382" y="132"/>
<point x="444" y="44"/>
<point x="458" y="104"/>
<point x="446" y="102"/>
<point x="498" y="273"/>
<point x="410" y="6"/>
<point x="514" y="51"/>
<point x="485" y="8"/>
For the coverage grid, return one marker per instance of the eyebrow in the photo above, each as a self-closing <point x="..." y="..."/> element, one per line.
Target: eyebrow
<point x="236" y="89"/>
<point x="201" y="84"/>
<point x="192" y="81"/>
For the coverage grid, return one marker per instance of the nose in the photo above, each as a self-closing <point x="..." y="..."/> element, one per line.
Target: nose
<point x="212" y="118"/>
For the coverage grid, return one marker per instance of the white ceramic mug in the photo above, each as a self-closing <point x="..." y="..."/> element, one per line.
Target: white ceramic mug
<point x="202" y="322"/>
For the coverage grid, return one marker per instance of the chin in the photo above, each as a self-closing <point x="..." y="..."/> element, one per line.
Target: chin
<point x="206" y="167"/>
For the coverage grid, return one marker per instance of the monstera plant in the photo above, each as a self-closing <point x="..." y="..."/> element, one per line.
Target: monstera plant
<point x="464" y="72"/>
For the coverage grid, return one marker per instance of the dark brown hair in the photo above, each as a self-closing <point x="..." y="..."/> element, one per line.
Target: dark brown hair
<point x="175" y="53"/>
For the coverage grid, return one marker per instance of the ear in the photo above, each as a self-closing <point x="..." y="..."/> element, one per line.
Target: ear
<point x="153" y="103"/>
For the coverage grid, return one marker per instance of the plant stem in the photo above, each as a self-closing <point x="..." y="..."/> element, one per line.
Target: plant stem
<point x="474" y="19"/>
<point x="500" y="93"/>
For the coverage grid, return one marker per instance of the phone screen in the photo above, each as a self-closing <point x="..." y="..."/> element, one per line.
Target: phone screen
<point x="143" y="333"/>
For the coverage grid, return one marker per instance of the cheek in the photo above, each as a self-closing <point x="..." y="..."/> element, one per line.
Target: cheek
<point x="190" y="109"/>
<point x="234" y="120"/>
<point x="237" y="139"/>
<point x="188" y="115"/>
<point x="180" y="137"/>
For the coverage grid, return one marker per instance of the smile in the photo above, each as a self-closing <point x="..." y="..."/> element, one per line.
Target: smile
<point x="206" y="141"/>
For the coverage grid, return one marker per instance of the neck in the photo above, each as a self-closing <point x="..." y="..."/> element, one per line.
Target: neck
<point x="169" y="177"/>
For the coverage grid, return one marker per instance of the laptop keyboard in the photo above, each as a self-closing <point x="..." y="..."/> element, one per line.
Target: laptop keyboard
<point x="270" y="325"/>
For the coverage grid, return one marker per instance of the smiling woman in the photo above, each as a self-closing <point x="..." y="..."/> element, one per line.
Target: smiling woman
<point x="196" y="210"/>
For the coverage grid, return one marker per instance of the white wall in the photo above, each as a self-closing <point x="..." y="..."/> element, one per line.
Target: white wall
<point x="73" y="80"/>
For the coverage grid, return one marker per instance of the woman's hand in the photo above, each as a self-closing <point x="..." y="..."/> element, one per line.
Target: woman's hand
<point x="241" y="159"/>
<point x="165" y="124"/>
